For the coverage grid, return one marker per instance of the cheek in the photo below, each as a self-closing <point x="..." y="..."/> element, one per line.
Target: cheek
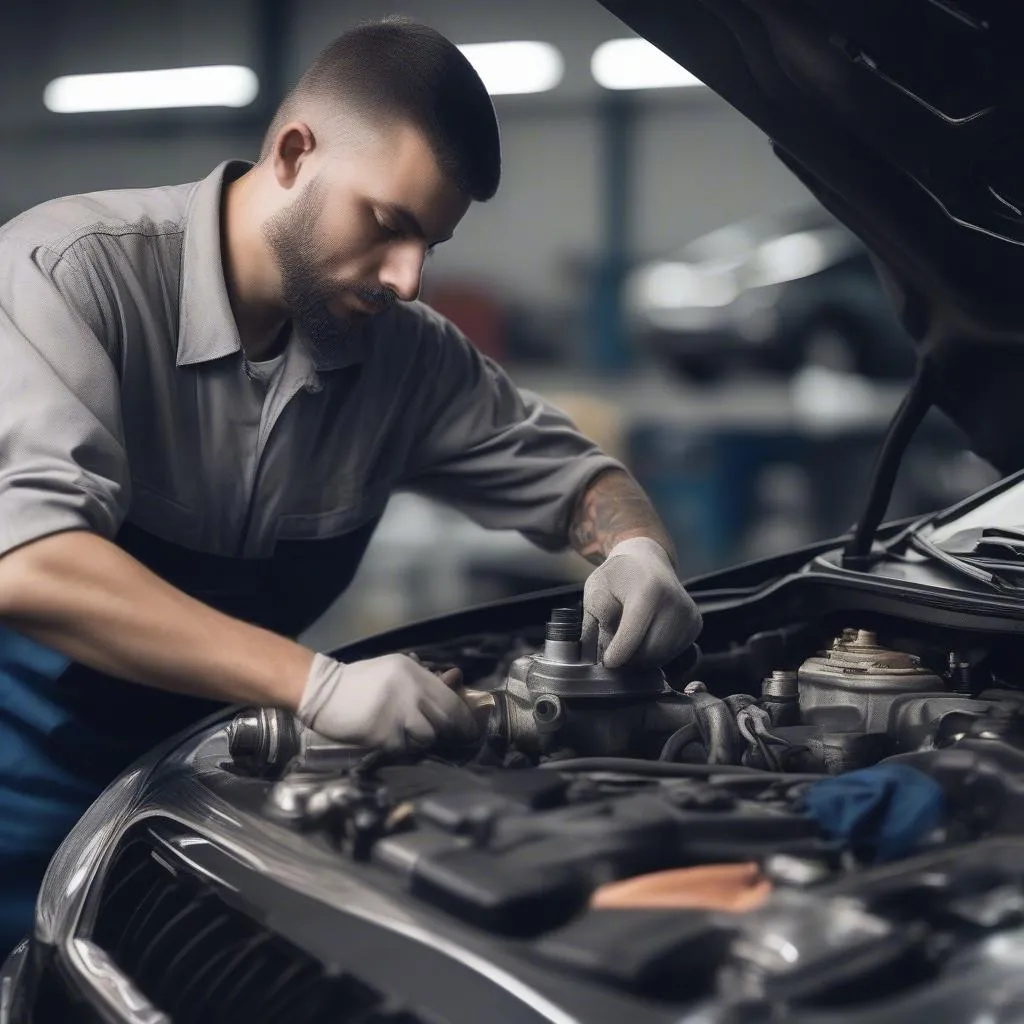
<point x="345" y="237"/>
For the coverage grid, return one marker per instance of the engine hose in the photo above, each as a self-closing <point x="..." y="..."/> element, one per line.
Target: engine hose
<point x="718" y="727"/>
<point x="671" y="770"/>
<point x="737" y="702"/>
<point x="750" y="722"/>
<point x="678" y="741"/>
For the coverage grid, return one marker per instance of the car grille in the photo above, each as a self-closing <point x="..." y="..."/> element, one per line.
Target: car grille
<point x="201" y="960"/>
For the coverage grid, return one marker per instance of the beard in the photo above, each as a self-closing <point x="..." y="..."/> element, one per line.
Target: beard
<point x="307" y="292"/>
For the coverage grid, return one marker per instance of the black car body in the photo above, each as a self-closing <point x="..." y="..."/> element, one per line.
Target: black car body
<point x="249" y="871"/>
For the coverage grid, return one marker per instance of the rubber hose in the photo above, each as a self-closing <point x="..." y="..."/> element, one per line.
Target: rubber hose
<point x="671" y="770"/>
<point x="677" y="742"/>
<point x="723" y="738"/>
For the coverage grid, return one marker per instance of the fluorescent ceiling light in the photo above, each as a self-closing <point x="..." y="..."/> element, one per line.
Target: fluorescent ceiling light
<point x="636" y="64"/>
<point x="516" y="67"/>
<point x="218" y="85"/>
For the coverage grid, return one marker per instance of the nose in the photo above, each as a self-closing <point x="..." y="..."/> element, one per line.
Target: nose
<point x="402" y="271"/>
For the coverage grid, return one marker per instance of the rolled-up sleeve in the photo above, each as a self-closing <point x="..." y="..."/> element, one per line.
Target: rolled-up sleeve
<point x="503" y="456"/>
<point x="63" y="464"/>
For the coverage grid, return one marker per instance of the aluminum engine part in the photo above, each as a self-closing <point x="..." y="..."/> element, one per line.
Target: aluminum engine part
<point x="264" y="741"/>
<point x="852" y="686"/>
<point x="780" y="697"/>
<point x="563" y="699"/>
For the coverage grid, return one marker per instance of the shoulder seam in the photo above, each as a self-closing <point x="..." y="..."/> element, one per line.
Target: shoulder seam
<point x="62" y="249"/>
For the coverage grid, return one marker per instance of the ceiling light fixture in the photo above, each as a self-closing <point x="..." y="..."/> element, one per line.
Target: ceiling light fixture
<point x="217" y="85"/>
<point x="637" y="64"/>
<point x="516" y="67"/>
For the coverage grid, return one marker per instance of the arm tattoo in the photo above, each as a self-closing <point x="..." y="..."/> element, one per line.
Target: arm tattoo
<point x="612" y="509"/>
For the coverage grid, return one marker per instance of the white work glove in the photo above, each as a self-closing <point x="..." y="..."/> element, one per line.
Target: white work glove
<point x="635" y="606"/>
<point x="389" y="703"/>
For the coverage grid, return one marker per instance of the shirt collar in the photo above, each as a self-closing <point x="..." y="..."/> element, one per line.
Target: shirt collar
<point x="207" y="328"/>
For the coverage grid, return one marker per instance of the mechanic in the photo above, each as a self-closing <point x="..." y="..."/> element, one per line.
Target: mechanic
<point x="209" y="392"/>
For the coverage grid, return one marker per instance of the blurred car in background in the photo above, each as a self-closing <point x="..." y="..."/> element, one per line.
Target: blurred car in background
<point x="771" y="294"/>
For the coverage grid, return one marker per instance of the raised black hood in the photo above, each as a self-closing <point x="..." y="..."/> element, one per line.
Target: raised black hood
<point x="906" y="119"/>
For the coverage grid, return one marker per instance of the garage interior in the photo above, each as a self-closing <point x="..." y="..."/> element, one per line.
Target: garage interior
<point x="648" y="264"/>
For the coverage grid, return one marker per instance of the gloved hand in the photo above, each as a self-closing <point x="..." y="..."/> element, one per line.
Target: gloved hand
<point x="389" y="703"/>
<point x="637" y="608"/>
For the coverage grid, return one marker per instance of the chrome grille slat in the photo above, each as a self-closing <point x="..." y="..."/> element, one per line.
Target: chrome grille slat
<point x="200" y="959"/>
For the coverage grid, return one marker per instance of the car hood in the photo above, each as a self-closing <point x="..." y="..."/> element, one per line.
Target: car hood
<point x="904" y="121"/>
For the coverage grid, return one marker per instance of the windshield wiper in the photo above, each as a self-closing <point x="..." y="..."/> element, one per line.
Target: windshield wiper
<point x="1000" y="541"/>
<point x="963" y="567"/>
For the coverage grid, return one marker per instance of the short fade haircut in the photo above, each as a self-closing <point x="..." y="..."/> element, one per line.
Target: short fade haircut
<point x="398" y="70"/>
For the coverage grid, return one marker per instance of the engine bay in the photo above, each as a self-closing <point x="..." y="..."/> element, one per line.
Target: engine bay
<point x="784" y="701"/>
<point x="813" y="817"/>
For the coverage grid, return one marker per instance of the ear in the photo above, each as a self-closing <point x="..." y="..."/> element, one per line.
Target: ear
<point x="294" y="145"/>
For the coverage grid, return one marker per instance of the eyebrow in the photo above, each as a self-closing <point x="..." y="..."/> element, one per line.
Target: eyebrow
<point x="409" y="221"/>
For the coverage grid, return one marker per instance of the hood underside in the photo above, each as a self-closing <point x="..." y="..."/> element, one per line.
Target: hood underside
<point x="906" y="121"/>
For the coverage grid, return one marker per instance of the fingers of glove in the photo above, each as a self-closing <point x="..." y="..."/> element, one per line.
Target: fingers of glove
<point x="674" y="626"/>
<point x="669" y="634"/>
<point x="593" y="638"/>
<point x="470" y="728"/>
<point x="452" y="678"/>
<point x="418" y="731"/>
<point x="447" y="709"/>
<point x="637" y="614"/>
<point x="600" y="605"/>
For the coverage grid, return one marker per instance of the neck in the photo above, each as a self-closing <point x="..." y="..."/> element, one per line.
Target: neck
<point x="249" y="273"/>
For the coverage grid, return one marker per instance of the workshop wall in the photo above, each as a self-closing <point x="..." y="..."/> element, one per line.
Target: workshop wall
<point x="544" y="220"/>
<point x="698" y="164"/>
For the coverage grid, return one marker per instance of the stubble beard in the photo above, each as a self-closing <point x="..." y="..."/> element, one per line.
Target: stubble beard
<point x="292" y="236"/>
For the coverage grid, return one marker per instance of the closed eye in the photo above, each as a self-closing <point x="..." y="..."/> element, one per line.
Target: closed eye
<point x="387" y="215"/>
<point x="388" y="229"/>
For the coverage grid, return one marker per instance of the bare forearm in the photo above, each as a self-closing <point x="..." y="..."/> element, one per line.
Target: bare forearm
<point x="83" y="596"/>
<point x="612" y="509"/>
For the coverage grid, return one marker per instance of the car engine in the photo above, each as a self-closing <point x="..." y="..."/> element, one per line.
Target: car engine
<point x="845" y="706"/>
<point x="818" y="822"/>
<point x="585" y="776"/>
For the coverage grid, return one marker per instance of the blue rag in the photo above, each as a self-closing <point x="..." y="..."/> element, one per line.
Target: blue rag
<point x="882" y="812"/>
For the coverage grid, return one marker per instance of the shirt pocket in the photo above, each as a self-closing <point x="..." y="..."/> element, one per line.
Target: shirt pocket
<point x="349" y="508"/>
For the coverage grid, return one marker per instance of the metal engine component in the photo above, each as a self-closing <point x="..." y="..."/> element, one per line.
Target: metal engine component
<point x="563" y="699"/>
<point x="780" y="697"/>
<point x="264" y="741"/>
<point x="851" y="687"/>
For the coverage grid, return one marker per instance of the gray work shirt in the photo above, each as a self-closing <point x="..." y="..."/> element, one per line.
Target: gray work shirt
<point x="124" y="398"/>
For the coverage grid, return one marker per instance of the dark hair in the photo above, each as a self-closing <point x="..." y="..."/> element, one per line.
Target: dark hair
<point x="396" y="69"/>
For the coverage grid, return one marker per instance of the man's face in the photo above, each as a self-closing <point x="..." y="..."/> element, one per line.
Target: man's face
<point x="355" y="238"/>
